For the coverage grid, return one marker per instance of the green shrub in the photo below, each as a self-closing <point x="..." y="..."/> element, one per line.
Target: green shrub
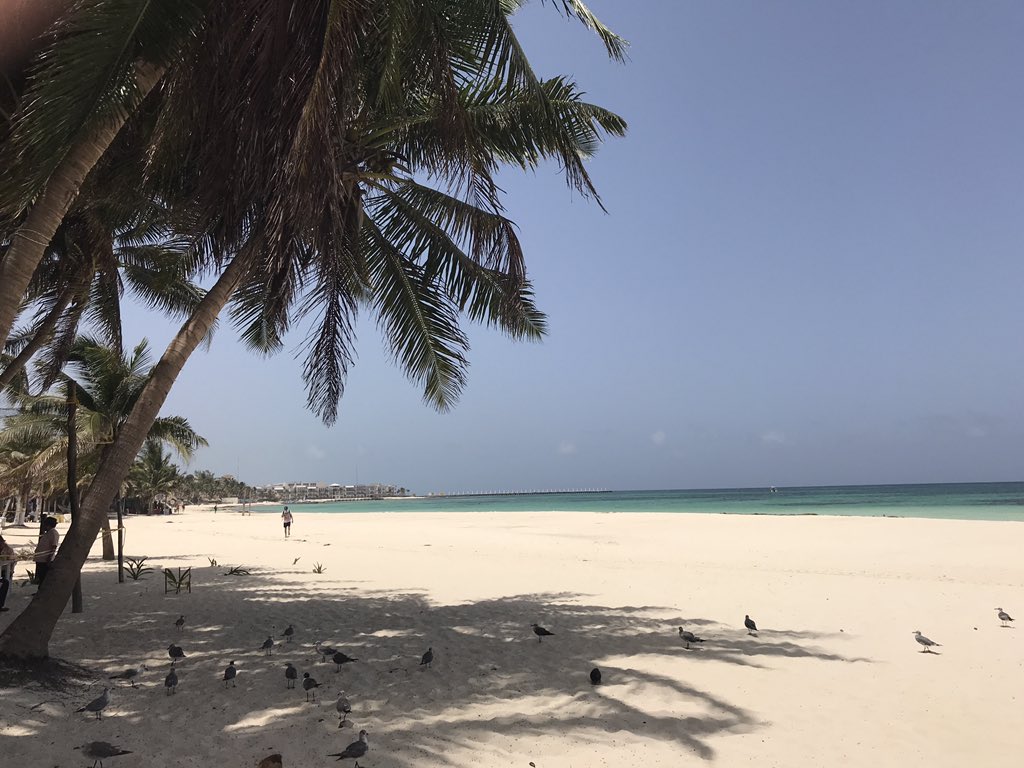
<point x="136" y="567"/>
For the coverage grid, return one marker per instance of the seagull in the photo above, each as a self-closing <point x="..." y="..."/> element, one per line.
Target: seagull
<point x="98" y="750"/>
<point x="291" y="674"/>
<point x="750" y="625"/>
<point x="1004" y="617"/>
<point x="129" y="674"/>
<point x="356" y="749"/>
<point x="541" y="633"/>
<point x="229" y="674"/>
<point x="289" y="633"/>
<point x="296" y="560"/>
<point x="98" y="704"/>
<point x="344" y="708"/>
<point x="268" y="646"/>
<point x="595" y="676"/>
<point x="926" y="642"/>
<point x="341" y="658"/>
<point x="324" y="652"/>
<point x="427" y="658"/>
<point x="689" y="637"/>
<point x="180" y="622"/>
<point x="308" y="684"/>
<point x="175" y="653"/>
<point x="171" y="682"/>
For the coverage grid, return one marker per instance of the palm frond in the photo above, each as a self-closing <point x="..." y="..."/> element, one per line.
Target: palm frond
<point x="85" y="76"/>
<point x="419" y="321"/>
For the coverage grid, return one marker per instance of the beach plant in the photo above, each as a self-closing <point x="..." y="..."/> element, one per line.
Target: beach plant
<point x="317" y="172"/>
<point x="136" y="567"/>
<point x="238" y="570"/>
<point x="178" y="581"/>
<point x="318" y="568"/>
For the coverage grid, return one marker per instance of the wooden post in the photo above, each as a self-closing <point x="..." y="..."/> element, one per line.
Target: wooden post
<point x="76" y="593"/>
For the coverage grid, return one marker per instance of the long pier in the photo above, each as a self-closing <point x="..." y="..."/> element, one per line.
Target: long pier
<point x="518" y="493"/>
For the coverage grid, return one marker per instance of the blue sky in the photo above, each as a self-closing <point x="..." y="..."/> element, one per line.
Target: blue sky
<point x="809" y="273"/>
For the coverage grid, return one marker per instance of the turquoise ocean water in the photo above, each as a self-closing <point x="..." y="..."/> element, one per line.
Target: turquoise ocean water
<point x="954" y="501"/>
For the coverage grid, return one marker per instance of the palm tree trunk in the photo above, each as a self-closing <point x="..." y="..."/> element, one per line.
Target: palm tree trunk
<point x="108" y="540"/>
<point x="30" y="240"/>
<point x="28" y="636"/>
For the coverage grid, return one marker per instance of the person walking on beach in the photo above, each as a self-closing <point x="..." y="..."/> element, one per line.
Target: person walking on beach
<point x="46" y="549"/>
<point x="7" y="560"/>
<point x="286" y="518"/>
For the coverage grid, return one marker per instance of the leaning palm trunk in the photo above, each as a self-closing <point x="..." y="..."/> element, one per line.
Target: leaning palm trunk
<point x="28" y="635"/>
<point x="29" y="242"/>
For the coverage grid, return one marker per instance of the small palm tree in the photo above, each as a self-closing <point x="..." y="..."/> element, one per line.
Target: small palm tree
<point x="153" y="474"/>
<point x="105" y="386"/>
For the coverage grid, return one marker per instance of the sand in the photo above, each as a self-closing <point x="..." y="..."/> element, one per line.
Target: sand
<point x="834" y="677"/>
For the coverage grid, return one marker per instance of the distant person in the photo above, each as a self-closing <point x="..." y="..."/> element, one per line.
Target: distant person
<point x="8" y="558"/>
<point x="46" y="549"/>
<point x="286" y="518"/>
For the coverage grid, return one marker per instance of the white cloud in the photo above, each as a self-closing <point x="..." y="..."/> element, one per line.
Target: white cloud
<point x="315" y="452"/>
<point x="565" y="448"/>
<point x="774" y="438"/>
<point x="658" y="438"/>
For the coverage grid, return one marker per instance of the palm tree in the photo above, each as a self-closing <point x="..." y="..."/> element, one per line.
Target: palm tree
<point x="153" y="474"/>
<point x="96" y="64"/>
<point x="105" y="385"/>
<point x="337" y="155"/>
<point x="100" y="250"/>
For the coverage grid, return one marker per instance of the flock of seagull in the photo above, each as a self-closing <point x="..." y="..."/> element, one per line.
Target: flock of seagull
<point x="98" y="750"/>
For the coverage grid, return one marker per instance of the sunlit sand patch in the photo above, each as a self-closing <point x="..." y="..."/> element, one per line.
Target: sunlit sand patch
<point x="392" y="633"/>
<point x="20" y="729"/>
<point x="259" y="720"/>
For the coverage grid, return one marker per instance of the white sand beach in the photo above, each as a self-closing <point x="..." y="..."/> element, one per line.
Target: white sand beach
<point x="834" y="676"/>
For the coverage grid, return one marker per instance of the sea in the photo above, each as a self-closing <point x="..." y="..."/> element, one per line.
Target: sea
<point x="950" y="501"/>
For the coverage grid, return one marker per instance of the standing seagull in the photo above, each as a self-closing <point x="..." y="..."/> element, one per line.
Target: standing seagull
<point x="175" y="653"/>
<point x="129" y="674"/>
<point x="229" y="674"/>
<point x="98" y="704"/>
<point x="180" y="622"/>
<point x="688" y="637"/>
<point x="356" y="749"/>
<point x="750" y="625"/>
<point x="291" y="674"/>
<point x="288" y="633"/>
<point x="323" y="650"/>
<point x="308" y="684"/>
<point x="541" y="633"/>
<point x="428" y="658"/>
<point x="595" y="676"/>
<point x="98" y="750"/>
<point x="1004" y="617"/>
<point x="171" y="682"/>
<point x="344" y="708"/>
<point x="926" y="642"/>
<point x="341" y="658"/>
<point x="268" y="646"/>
